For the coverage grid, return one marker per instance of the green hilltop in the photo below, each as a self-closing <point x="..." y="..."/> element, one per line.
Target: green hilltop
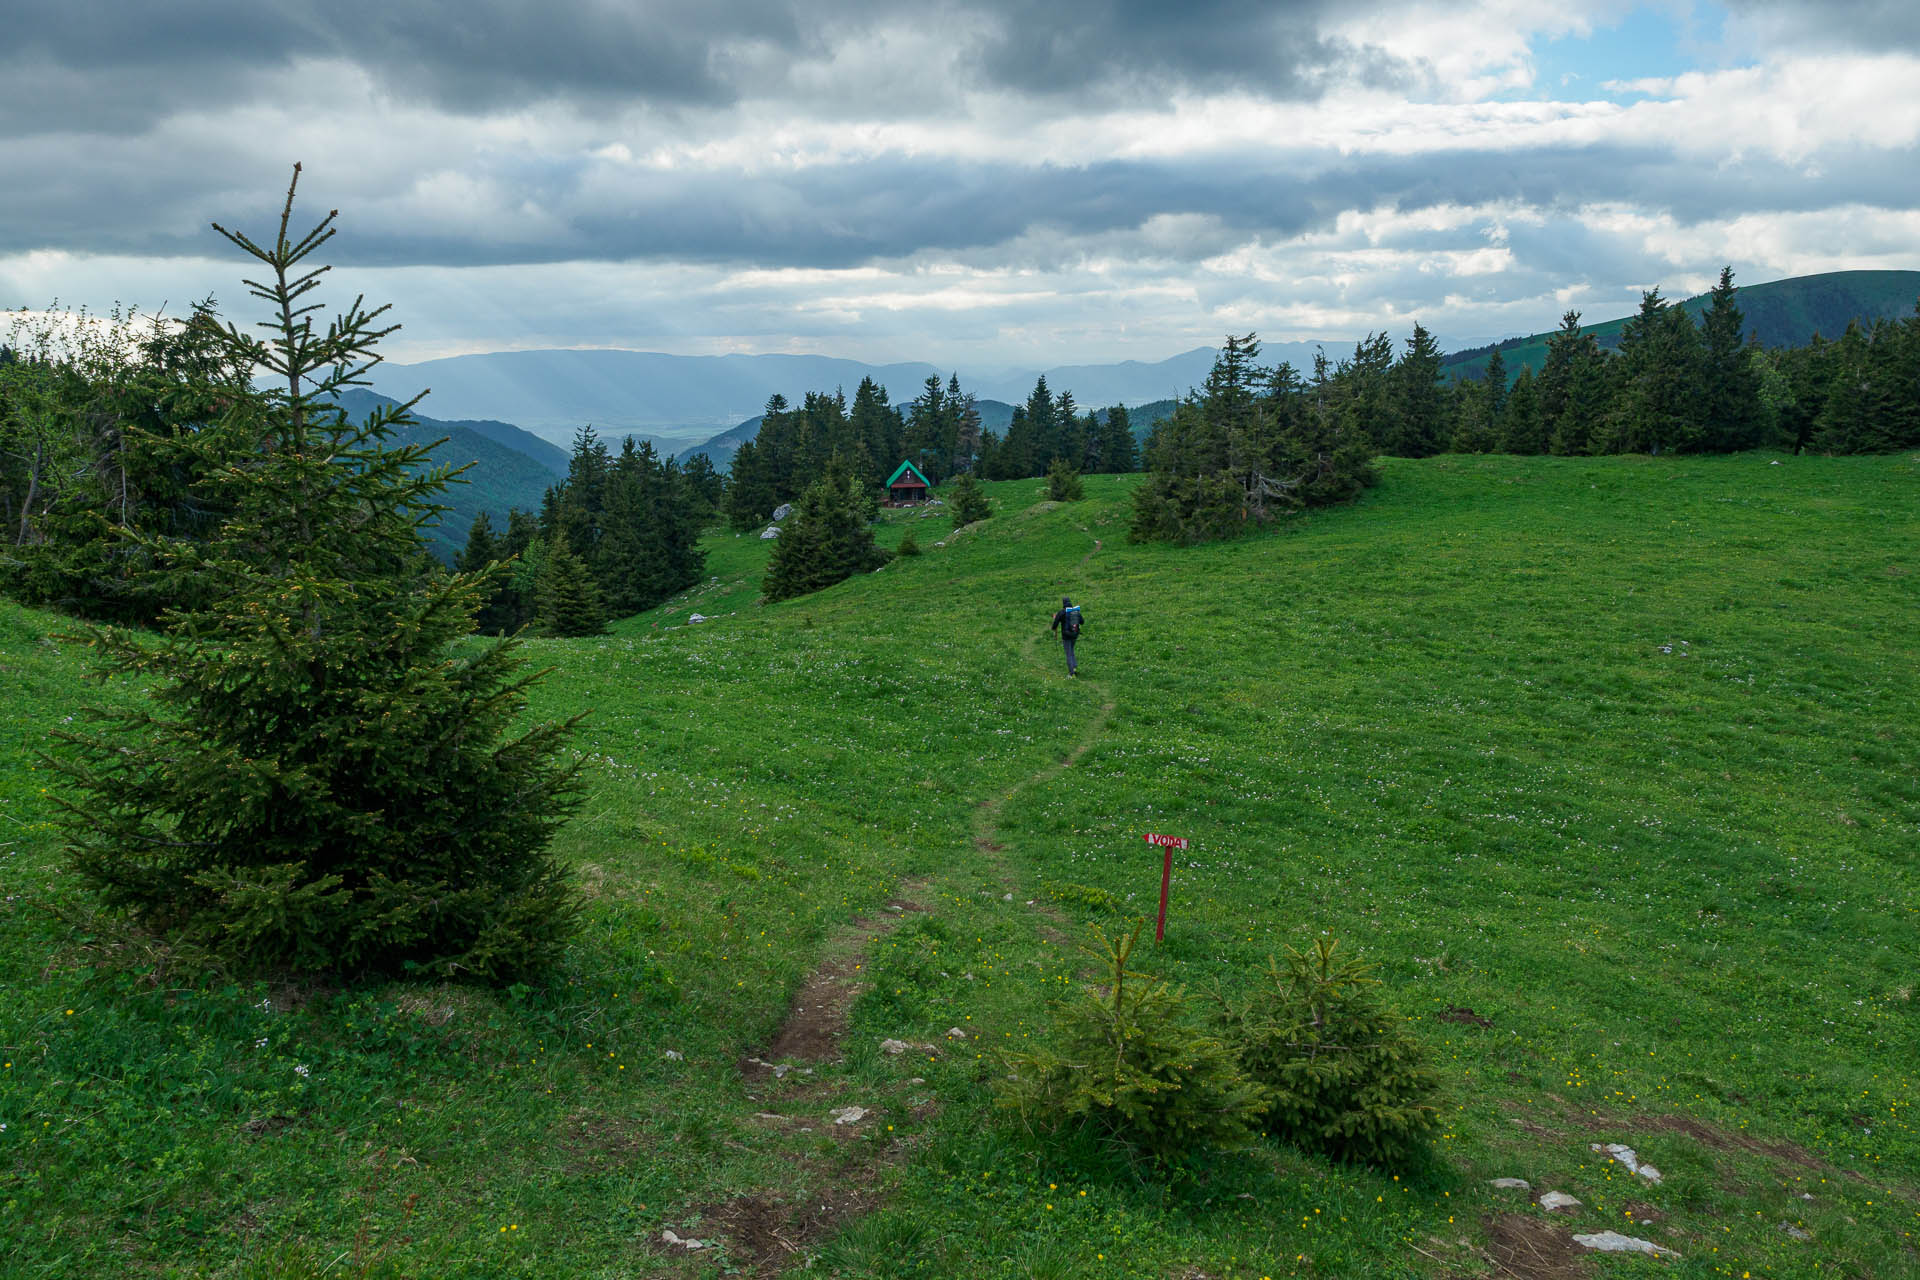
<point x="1609" y="764"/>
<point x="1779" y="313"/>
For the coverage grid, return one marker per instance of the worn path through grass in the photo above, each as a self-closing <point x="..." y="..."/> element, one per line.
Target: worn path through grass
<point x="768" y="1228"/>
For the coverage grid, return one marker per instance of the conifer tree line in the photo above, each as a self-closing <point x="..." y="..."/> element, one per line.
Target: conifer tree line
<point x="1050" y="429"/>
<point x="616" y="536"/>
<point x="939" y="431"/>
<point x="111" y="429"/>
<point x="1671" y="385"/>
<point x="1254" y="443"/>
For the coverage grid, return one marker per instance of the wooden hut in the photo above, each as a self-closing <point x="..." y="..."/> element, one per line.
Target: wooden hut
<point x="906" y="486"/>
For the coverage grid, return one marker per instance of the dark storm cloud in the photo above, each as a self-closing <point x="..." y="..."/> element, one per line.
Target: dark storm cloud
<point x="469" y="55"/>
<point x="111" y="66"/>
<point x="1275" y="49"/>
<point x="837" y="215"/>
<point x="462" y="54"/>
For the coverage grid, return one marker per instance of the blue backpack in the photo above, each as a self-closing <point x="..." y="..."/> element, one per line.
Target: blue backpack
<point x="1070" y="621"/>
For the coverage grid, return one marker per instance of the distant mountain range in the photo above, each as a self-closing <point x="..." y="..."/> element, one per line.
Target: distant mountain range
<point x="1780" y="313"/>
<point x="511" y="468"/>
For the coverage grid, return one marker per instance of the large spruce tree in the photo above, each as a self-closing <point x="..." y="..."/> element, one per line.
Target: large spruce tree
<point x="1729" y="379"/>
<point x="320" y="778"/>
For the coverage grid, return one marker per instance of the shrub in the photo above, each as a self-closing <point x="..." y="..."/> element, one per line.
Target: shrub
<point x="909" y="545"/>
<point x="1341" y="1074"/>
<point x="1127" y="1060"/>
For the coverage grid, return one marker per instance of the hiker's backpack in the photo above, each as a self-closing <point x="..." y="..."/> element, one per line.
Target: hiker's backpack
<point x="1070" y="621"/>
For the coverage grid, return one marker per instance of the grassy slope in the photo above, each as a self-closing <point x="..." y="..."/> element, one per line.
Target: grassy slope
<point x="1455" y="725"/>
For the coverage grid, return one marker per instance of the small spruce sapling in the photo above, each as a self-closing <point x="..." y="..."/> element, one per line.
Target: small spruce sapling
<point x="1128" y="1060"/>
<point x="1342" y="1075"/>
<point x="1063" y="482"/>
<point x="968" y="501"/>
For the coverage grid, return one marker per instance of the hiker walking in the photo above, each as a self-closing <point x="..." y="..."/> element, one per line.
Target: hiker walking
<point x="1067" y="623"/>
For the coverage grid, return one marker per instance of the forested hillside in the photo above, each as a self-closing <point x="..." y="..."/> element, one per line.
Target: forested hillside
<point x="1779" y="313"/>
<point x="507" y="469"/>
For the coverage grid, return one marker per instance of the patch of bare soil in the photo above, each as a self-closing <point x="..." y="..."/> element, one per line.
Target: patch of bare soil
<point x="1464" y="1016"/>
<point x="768" y="1233"/>
<point x="816" y="1022"/>
<point x="1720" y="1140"/>
<point x="594" y="1143"/>
<point x="1530" y="1248"/>
<point x="767" y="1230"/>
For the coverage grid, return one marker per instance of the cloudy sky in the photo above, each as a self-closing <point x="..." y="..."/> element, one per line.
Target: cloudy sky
<point x="1025" y="182"/>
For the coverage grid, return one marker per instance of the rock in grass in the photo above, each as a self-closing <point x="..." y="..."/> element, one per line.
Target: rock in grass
<point x="668" y="1237"/>
<point x="1554" y="1201"/>
<point x="1511" y="1184"/>
<point x="894" y="1047"/>
<point x="1627" y="1157"/>
<point x="849" y="1115"/>
<point x="955" y="1033"/>
<point x="1796" y="1232"/>
<point x="1614" y="1242"/>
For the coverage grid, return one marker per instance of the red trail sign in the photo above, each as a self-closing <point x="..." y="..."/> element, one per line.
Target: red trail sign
<point x="1169" y="843"/>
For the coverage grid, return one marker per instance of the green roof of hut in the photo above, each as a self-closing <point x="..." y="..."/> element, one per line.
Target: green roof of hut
<point x="903" y="469"/>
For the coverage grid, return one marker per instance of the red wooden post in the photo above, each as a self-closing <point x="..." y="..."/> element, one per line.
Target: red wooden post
<point x="1166" y="877"/>
<point x="1169" y="844"/>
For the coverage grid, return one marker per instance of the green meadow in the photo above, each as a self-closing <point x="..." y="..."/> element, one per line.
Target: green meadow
<point x="1612" y="766"/>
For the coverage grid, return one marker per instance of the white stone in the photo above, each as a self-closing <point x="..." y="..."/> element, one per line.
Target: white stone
<point x="696" y="618"/>
<point x="771" y="531"/>
<point x="955" y="1033"/>
<point x="1794" y="1231"/>
<point x="782" y="511"/>
<point x="674" y="1055"/>
<point x="1511" y="1184"/>
<point x="894" y="1047"/>
<point x="1627" y="1157"/>
<point x="1614" y="1242"/>
<point x="849" y="1115"/>
<point x="1556" y="1200"/>
<point x="673" y="1239"/>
